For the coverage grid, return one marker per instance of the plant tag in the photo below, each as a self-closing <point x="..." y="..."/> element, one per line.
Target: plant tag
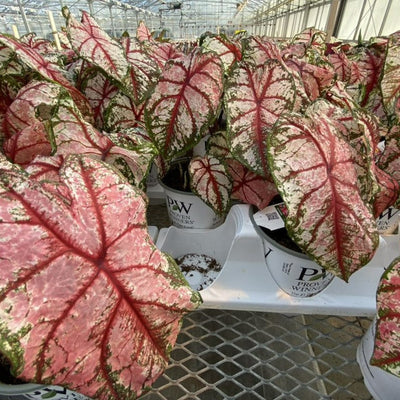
<point x="271" y="217"/>
<point x="388" y="222"/>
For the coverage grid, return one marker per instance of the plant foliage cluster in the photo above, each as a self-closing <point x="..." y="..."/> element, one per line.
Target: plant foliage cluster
<point x="86" y="300"/>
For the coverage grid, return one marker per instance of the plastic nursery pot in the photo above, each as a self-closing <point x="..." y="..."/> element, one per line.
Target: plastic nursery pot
<point x="185" y="209"/>
<point x="31" y="391"/>
<point x="294" y="272"/>
<point x="381" y="384"/>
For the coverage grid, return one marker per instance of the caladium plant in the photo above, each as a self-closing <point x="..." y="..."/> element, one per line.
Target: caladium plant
<point x="91" y="304"/>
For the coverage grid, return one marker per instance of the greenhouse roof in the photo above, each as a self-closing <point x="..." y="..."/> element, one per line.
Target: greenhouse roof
<point x="185" y="19"/>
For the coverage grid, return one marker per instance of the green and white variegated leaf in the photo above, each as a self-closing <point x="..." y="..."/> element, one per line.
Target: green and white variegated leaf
<point x="209" y="180"/>
<point x="258" y="50"/>
<point x="217" y="145"/>
<point x="94" y="45"/>
<point x="255" y="97"/>
<point x="72" y="135"/>
<point x="386" y="354"/>
<point x="185" y="102"/>
<point x="229" y="52"/>
<point x="143" y="70"/>
<point x="123" y="113"/>
<point x="314" y="170"/>
<point x="390" y="83"/>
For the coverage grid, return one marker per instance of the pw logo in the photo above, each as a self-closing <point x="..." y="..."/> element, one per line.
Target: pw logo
<point x="179" y="205"/>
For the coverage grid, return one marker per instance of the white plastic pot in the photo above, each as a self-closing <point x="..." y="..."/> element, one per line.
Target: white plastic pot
<point x="31" y="391"/>
<point x="187" y="210"/>
<point x="295" y="273"/>
<point x="381" y="384"/>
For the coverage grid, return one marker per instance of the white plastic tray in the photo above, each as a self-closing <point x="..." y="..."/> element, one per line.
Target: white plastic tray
<point x="245" y="283"/>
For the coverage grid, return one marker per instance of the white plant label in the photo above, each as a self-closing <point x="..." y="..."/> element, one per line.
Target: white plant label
<point x="271" y="217"/>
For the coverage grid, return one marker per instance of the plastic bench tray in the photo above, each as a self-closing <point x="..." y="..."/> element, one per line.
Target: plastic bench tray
<point x="244" y="282"/>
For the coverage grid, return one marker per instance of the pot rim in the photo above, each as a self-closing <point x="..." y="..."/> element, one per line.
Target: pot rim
<point x="265" y="236"/>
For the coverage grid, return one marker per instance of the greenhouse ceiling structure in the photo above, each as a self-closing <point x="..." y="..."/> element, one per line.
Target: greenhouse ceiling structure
<point x="188" y="19"/>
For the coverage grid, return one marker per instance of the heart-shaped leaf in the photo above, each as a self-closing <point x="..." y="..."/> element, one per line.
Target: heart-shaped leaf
<point x="314" y="170"/>
<point x="96" y="46"/>
<point x="143" y="71"/>
<point x="86" y="299"/>
<point x="390" y="83"/>
<point x="254" y="99"/>
<point x="185" y="102"/>
<point x="210" y="181"/>
<point x="48" y="70"/>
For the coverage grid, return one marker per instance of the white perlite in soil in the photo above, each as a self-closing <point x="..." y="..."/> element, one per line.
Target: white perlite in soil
<point x="199" y="270"/>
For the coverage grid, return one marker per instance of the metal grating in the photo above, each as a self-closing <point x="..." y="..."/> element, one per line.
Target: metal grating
<point x="245" y="355"/>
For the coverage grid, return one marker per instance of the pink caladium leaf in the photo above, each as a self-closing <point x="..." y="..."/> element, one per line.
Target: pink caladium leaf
<point x="48" y="70"/>
<point x="142" y="33"/>
<point x="73" y="135"/>
<point x="99" y="92"/>
<point x="210" y="181"/>
<point x="390" y="82"/>
<point x="259" y="50"/>
<point x="93" y="305"/>
<point x="29" y="142"/>
<point x="250" y="188"/>
<point x="161" y="53"/>
<point x="122" y="113"/>
<point x="97" y="47"/>
<point x="37" y="96"/>
<point x="314" y="170"/>
<point x="144" y="70"/>
<point x="315" y="79"/>
<point x="255" y="97"/>
<point x="370" y="61"/>
<point x="185" y="102"/>
<point x="228" y="51"/>
<point x="43" y="46"/>
<point x="389" y="161"/>
<point x="386" y="354"/>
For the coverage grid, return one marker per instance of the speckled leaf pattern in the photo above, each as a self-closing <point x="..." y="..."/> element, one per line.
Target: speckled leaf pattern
<point x="386" y="354"/>
<point x="143" y="70"/>
<point x="254" y="100"/>
<point x="29" y="142"/>
<point x="123" y="113"/>
<point x="228" y="51"/>
<point x="249" y="187"/>
<point x="95" y="46"/>
<point x="99" y="91"/>
<point x="390" y="83"/>
<point x="209" y="180"/>
<point x="314" y="170"/>
<point x="389" y="161"/>
<point x="143" y="33"/>
<point x="185" y="102"/>
<point x="316" y="80"/>
<point x="104" y="303"/>
<point x="35" y="98"/>
<point x="259" y="50"/>
<point x="73" y="135"/>
<point x="34" y="60"/>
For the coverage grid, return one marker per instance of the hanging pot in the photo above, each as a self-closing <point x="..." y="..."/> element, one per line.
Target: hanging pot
<point x="185" y="209"/>
<point x="381" y="384"/>
<point x="294" y="272"/>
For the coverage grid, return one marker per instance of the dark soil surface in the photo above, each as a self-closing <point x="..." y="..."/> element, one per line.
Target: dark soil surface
<point x="177" y="177"/>
<point x="5" y="375"/>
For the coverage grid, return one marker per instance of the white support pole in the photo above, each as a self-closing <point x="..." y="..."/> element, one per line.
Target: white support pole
<point x="15" y="31"/>
<point x="54" y="30"/>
